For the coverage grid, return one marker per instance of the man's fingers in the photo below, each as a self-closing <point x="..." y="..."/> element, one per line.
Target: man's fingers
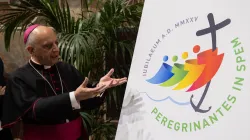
<point x="119" y="81"/>
<point x="85" y="82"/>
<point x="3" y="88"/>
<point x="110" y="73"/>
<point x="103" y="89"/>
<point x="111" y="82"/>
<point x="122" y="82"/>
<point x="97" y="89"/>
<point x="124" y="78"/>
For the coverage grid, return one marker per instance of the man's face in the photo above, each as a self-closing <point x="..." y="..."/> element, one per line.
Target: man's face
<point x="46" y="49"/>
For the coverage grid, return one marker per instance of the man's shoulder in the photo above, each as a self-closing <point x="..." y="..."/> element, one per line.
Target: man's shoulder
<point x="68" y="70"/>
<point x="21" y="72"/>
<point x="65" y="66"/>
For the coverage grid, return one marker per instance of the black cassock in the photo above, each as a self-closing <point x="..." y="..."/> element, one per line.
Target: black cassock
<point x="31" y="99"/>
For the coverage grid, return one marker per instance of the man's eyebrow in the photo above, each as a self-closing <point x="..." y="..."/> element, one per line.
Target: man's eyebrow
<point x="47" y="42"/>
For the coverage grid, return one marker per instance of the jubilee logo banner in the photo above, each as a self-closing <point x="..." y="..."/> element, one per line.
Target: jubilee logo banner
<point x="189" y="77"/>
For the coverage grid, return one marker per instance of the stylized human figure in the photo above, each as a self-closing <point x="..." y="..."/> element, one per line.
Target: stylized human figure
<point x="163" y="74"/>
<point x="212" y="62"/>
<point x="179" y="74"/>
<point x="194" y="71"/>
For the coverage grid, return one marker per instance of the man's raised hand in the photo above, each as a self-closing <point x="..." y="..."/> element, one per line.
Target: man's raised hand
<point x="111" y="82"/>
<point x="83" y="92"/>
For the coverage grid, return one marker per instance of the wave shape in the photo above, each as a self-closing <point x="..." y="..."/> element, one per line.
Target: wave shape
<point x="170" y="98"/>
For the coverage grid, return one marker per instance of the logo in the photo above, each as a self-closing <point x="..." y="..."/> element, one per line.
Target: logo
<point x="192" y="73"/>
<point x="195" y="72"/>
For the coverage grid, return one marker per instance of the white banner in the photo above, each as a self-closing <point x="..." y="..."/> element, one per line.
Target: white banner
<point x="189" y="77"/>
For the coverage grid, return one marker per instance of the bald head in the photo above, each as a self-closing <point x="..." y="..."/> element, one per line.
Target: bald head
<point x="38" y="34"/>
<point x="42" y="44"/>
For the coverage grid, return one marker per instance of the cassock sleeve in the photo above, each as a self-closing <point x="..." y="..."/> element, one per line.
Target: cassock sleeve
<point x="92" y="103"/>
<point x="21" y="101"/>
<point x="51" y="108"/>
<point x="89" y="103"/>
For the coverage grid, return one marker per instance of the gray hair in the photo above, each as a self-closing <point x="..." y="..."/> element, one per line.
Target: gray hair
<point x="31" y="39"/>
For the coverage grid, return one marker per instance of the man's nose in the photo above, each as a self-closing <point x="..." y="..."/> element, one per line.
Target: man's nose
<point x="55" y="48"/>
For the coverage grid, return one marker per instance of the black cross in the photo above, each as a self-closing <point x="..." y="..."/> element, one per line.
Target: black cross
<point x="213" y="28"/>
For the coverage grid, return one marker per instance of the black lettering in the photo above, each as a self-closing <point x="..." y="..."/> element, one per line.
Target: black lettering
<point x="191" y="19"/>
<point x="177" y="25"/>
<point x="195" y="18"/>
<point x="182" y="22"/>
<point x="158" y="41"/>
<point x="168" y="31"/>
<point x="150" y="55"/>
<point x="163" y="36"/>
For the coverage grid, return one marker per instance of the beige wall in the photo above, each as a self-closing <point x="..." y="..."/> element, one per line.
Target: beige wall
<point x="17" y="56"/>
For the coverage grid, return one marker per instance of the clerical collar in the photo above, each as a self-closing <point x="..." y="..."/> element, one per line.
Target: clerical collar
<point x="37" y="65"/>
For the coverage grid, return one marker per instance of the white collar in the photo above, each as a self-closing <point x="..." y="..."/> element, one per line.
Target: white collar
<point x="45" y="67"/>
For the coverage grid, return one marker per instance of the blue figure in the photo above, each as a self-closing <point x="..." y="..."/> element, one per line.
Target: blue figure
<point x="163" y="74"/>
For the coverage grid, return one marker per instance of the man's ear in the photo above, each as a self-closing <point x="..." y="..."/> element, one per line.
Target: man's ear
<point x="30" y="49"/>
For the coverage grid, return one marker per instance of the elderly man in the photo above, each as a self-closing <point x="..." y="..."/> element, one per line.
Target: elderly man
<point x="47" y="95"/>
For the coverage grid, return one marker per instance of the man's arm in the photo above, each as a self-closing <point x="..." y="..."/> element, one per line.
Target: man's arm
<point x="21" y="101"/>
<point x="92" y="103"/>
<point x="89" y="103"/>
<point x="54" y="107"/>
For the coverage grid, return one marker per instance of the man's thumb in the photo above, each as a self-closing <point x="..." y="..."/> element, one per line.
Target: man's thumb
<point x="85" y="82"/>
